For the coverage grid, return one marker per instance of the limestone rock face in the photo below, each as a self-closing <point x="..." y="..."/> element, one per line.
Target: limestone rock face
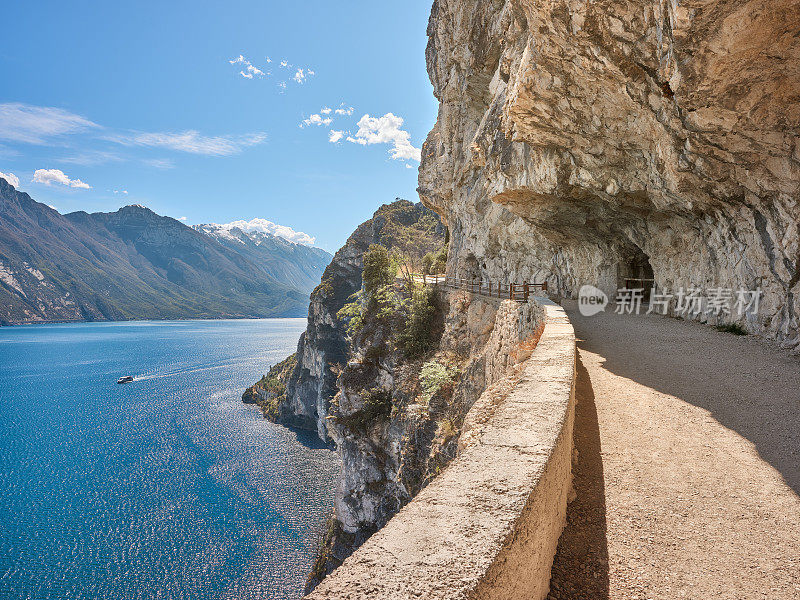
<point x="580" y="142"/>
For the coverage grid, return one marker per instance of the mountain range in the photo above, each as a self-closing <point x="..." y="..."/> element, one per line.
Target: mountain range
<point x="294" y="264"/>
<point x="135" y="264"/>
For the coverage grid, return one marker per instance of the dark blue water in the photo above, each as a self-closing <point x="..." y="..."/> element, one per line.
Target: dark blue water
<point x="169" y="487"/>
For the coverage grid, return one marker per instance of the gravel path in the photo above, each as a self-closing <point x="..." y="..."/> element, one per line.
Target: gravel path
<point x="688" y="477"/>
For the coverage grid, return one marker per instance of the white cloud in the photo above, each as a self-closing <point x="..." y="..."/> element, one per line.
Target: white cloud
<point x="182" y="218"/>
<point x="10" y="178"/>
<point x="50" y="176"/>
<point x="263" y="226"/>
<point x="316" y="119"/>
<point x="36" y="124"/>
<point x="192" y="142"/>
<point x="90" y="158"/>
<point x="121" y="192"/>
<point x="335" y="136"/>
<point x="301" y="75"/>
<point x="250" y="70"/>
<point x="326" y="116"/>
<point x="159" y="163"/>
<point x="386" y="130"/>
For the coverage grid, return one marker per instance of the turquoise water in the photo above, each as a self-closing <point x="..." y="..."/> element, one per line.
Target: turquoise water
<point x="168" y="487"/>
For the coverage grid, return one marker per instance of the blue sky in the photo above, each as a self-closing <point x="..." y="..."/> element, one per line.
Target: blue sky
<point x="143" y="97"/>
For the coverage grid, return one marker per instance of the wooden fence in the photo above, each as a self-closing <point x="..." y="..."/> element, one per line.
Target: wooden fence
<point x="513" y="291"/>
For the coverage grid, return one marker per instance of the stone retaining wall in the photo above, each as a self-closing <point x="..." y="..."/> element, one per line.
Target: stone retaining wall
<point x="488" y="526"/>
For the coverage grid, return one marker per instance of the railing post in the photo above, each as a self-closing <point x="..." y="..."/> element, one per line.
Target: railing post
<point x="544" y="286"/>
<point x="527" y="291"/>
<point x="510" y="291"/>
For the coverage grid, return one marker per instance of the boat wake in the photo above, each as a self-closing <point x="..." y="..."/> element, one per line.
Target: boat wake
<point x="183" y="371"/>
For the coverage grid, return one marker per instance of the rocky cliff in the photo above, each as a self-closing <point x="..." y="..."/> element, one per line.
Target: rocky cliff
<point x="586" y="142"/>
<point x="396" y="419"/>
<point x="308" y="387"/>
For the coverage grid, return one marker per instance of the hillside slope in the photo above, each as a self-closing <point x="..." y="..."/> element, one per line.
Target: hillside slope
<point x="293" y="264"/>
<point x="129" y="264"/>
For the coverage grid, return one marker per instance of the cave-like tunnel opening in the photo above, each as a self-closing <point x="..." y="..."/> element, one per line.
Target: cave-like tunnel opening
<point x="635" y="271"/>
<point x="470" y="268"/>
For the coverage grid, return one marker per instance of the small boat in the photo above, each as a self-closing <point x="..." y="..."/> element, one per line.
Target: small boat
<point x="126" y="379"/>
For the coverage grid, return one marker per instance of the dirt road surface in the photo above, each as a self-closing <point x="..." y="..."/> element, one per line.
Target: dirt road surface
<point x="688" y="472"/>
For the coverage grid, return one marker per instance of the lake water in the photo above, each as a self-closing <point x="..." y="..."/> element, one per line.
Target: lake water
<point x="168" y="487"/>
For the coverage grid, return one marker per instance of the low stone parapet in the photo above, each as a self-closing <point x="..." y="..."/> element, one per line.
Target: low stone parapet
<point x="488" y="526"/>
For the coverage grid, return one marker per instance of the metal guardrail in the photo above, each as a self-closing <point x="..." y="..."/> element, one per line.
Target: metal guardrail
<point x="513" y="291"/>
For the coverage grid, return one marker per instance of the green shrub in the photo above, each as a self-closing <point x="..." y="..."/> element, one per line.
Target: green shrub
<point x="352" y="314"/>
<point x="377" y="406"/>
<point x="396" y="260"/>
<point x="446" y="429"/>
<point x="434" y="263"/>
<point x="377" y="299"/>
<point x="733" y="328"/>
<point x="418" y="338"/>
<point x="377" y="269"/>
<point x="384" y="306"/>
<point x="433" y="377"/>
